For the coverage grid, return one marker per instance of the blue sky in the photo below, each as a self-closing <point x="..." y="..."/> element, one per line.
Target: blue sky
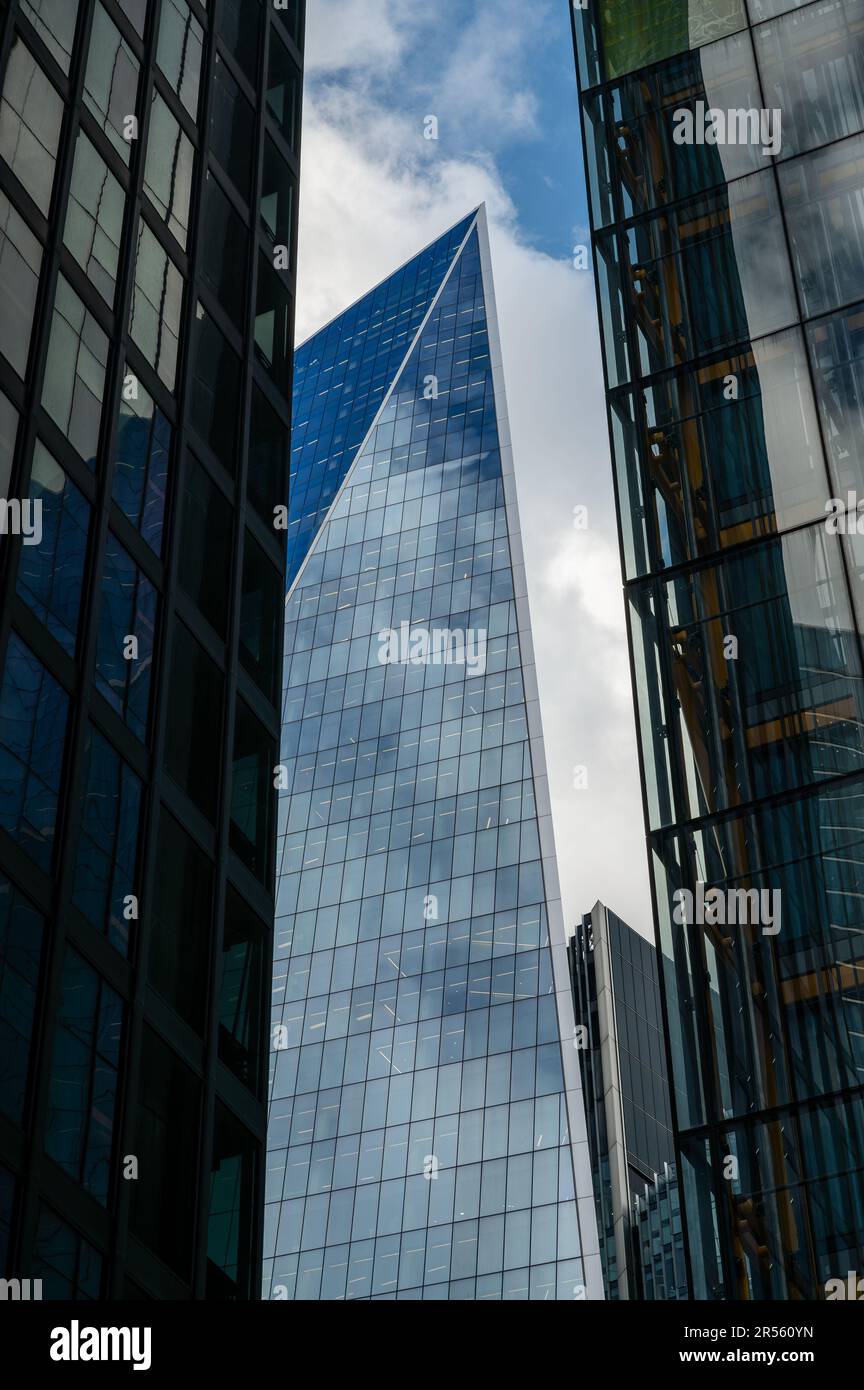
<point x="499" y="75"/>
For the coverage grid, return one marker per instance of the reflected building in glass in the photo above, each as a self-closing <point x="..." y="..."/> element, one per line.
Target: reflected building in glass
<point x="730" y="282"/>
<point x="148" y="165"/>
<point x="426" y="1135"/>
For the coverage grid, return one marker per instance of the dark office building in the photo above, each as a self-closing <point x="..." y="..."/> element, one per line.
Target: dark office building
<point x="724" y="144"/>
<point x="621" y="1053"/>
<point x="148" y="173"/>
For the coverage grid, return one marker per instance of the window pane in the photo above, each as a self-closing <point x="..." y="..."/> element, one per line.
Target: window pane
<point x="81" y="1109"/>
<point x="206" y="546"/>
<point x="142" y="455"/>
<point x="106" y="861"/>
<point x="179" y="53"/>
<point x="268" y="459"/>
<point x="8" y="435"/>
<point x="75" y="372"/>
<point x="214" y="404"/>
<point x="68" y="1265"/>
<point x="232" y="129"/>
<point x="262" y="609"/>
<point x="284" y="90"/>
<point x="136" y="12"/>
<point x="823" y="194"/>
<point x="31" y="113"/>
<point x="224" y="252"/>
<point x="820" y="46"/>
<point x="277" y="198"/>
<point x="111" y="81"/>
<point x="33" y="711"/>
<point x="837" y="354"/>
<point x="273" y="323"/>
<point x="127" y="611"/>
<point x="240" y="28"/>
<point x="182" y="923"/>
<point x="230" y="1246"/>
<point x="169" y="169"/>
<point x="21" y="934"/>
<point x="252" y="793"/>
<point x="193" y="752"/>
<point x="163" y="1198"/>
<point x="54" y="22"/>
<point x="51" y="574"/>
<point x="94" y="218"/>
<point x="240" y="991"/>
<point x="20" y="265"/>
<point x="157" y="303"/>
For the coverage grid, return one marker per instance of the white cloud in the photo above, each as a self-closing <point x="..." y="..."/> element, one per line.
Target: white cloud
<point x="373" y="194"/>
<point x="344" y="34"/>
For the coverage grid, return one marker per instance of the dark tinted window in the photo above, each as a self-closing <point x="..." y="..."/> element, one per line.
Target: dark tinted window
<point x="163" y="1198"/>
<point x="240" y="992"/>
<point x="232" y="128"/>
<point x="261" y="612"/>
<point x="224" y="252"/>
<point x="21" y="933"/>
<point x="127" y="628"/>
<point x="182" y="923"/>
<point x="33" y="713"/>
<point x="215" y="389"/>
<point x="81" y="1113"/>
<point x="252" y="793"/>
<point x="51" y="573"/>
<point x="206" y="546"/>
<point x="194" y="740"/>
<point x="106" y="861"/>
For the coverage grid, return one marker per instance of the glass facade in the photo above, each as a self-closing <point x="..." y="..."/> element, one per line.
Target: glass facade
<point x="616" y="993"/>
<point x="426" y="1133"/>
<point x="148" y="177"/>
<point x="730" y="279"/>
<point x="658" y="1237"/>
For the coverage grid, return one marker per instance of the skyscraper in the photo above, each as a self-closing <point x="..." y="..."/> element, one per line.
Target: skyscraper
<point x="725" y="159"/>
<point x="617" y="1002"/>
<point x="148" y="170"/>
<point x="425" y="1119"/>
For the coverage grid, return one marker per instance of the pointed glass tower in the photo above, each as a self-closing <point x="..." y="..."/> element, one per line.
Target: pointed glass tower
<point x="427" y="1135"/>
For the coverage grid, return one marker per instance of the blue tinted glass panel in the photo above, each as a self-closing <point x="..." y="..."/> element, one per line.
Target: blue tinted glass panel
<point x="124" y="653"/>
<point x="33" y="713"/>
<point x="51" y="569"/>
<point x="107" y="857"/>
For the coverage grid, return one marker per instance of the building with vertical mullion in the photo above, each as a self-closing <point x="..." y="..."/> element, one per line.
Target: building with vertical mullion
<point x="724" y="146"/>
<point x="148" y="174"/>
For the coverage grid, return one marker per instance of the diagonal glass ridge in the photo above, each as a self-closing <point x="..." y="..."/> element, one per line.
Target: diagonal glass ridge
<point x="342" y="374"/>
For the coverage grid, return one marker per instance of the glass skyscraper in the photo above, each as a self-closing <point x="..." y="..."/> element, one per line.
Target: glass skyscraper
<point x="730" y="278"/>
<point x="148" y="167"/>
<point x="426" y="1132"/>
